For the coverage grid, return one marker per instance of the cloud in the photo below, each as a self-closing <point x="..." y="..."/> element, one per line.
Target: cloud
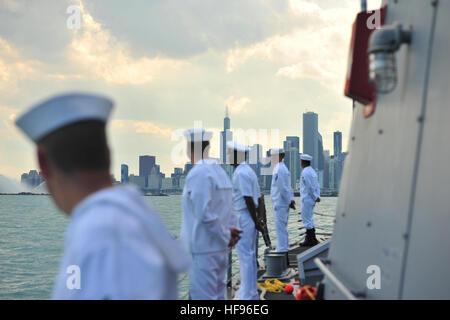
<point x="7" y="128"/>
<point x="14" y="68"/>
<point x="142" y="127"/>
<point x="37" y="28"/>
<point x="14" y="154"/>
<point x="237" y="105"/>
<point x="312" y="70"/>
<point x="12" y="6"/>
<point x="302" y="54"/>
<point x="197" y="25"/>
<point x="101" y="55"/>
<point x="316" y="51"/>
<point x="170" y="28"/>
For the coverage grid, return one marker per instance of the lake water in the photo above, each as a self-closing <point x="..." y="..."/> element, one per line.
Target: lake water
<point x="32" y="232"/>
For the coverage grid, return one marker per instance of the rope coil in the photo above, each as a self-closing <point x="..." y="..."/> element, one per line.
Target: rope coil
<point x="272" y="285"/>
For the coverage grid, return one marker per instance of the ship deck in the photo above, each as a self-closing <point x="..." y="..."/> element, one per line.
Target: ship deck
<point x="292" y="277"/>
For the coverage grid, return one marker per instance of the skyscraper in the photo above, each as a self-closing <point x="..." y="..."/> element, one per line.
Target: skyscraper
<point x="293" y="141"/>
<point x="326" y="168"/>
<point x="255" y="154"/>
<point x="32" y="179"/>
<point x="337" y="137"/>
<point x="176" y="176"/>
<point x="311" y="137"/>
<point x="255" y="162"/>
<point x="225" y="136"/>
<point x="187" y="167"/>
<point x="292" y="158"/>
<point x="332" y="172"/>
<point x="146" y="164"/>
<point x="124" y="173"/>
<point x="24" y="178"/>
<point x="320" y="160"/>
<point x="155" y="179"/>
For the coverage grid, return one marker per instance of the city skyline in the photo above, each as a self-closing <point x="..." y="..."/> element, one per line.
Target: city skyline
<point x="263" y="150"/>
<point x="146" y="161"/>
<point x="328" y="167"/>
<point x="151" y="179"/>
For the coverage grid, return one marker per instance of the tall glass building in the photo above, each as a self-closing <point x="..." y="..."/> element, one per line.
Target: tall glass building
<point x="146" y="164"/>
<point x="337" y="137"/>
<point x="124" y="174"/>
<point x="225" y="136"/>
<point x="292" y="159"/>
<point x="311" y="137"/>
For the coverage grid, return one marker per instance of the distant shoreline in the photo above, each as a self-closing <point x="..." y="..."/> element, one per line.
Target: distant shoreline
<point x="24" y="194"/>
<point x="146" y="195"/>
<point x="48" y="194"/>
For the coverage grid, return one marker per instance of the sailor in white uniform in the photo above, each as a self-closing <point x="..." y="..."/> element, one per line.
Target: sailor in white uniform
<point x="282" y="198"/>
<point x="209" y="223"/>
<point x="310" y="194"/>
<point x="116" y="246"/>
<point x="245" y="201"/>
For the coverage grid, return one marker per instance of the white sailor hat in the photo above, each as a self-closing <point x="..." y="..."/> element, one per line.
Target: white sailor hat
<point x="275" y="151"/>
<point x="197" y="135"/>
<point x="62" y="110"/>
<point x="306" y="157"/>
<point x="237" y="146"/>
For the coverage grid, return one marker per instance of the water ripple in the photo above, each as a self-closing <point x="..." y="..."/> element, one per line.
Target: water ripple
<point x="32" y="232"/>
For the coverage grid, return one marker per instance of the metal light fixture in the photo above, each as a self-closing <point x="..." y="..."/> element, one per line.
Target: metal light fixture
<point x="383" y="44"/>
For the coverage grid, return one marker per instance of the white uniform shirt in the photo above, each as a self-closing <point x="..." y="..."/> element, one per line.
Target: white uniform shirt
<point x="122" y="250"/>
<point x="281" y="190"/>
<point x="208" y="211"/>
<point x="245" y="183"/>
<point x="309" y="184"/>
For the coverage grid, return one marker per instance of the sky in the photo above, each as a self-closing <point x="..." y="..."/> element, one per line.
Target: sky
<point x="172" y="64"/>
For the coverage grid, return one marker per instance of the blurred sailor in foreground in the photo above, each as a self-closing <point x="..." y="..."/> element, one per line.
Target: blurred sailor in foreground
<point x="116" y="247"/>
<point x="209" y="223"/>
<point x="282" y="198"/>
<point x="310" y="194"/>
<point x="245" y="201"/>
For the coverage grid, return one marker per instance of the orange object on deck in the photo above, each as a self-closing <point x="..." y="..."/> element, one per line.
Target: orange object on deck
<point x="306" y="293"/>
<point x="289" y="288"/>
